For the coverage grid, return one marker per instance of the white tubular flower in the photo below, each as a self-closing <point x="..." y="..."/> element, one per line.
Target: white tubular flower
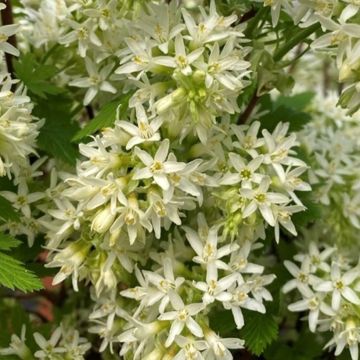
<point x="318" y="259"/>
<point x="182" y="60"/>
<point x="181" y="317"/>
<point x="239" y="261"/>
<point x="132" y="216"/>
<point x="23" y="199"/>
<point x="140" y="59"/>
<point x="164" y="285"/>
<point x="68" y="215"/>
<point x="5" y="32"/>
<point x="216" y="290"/>
<point x="283" y="217"/>
<point x="17" y="344"/>
<point x="212" y="26"/>
<point x="49" y="348"/>
<point x="246" y="173"/>
<point x="240" y="299"/>
<point x="315" y="304"/>
<point x="278" y="148"/>
<point x="70" y="260"/>
<point x="206" y="250"/>
<point x="226" y="67"/>
<point x="349" y="336"/>
<point x="190" y="348"/>
<point x="144" y="132"/>
<point x="95" y="82"/>
<point x="162" y="211"/>
<point x="160" y="24"/>
<point x="263" y="200"/>
<point x="339" y="285"/>
<point x="157" y="168"/>
<point x="303" y="277"/>
<point x="247" y="138"/>
<point x="84" y="34"/>
<point x="219" y="347"/>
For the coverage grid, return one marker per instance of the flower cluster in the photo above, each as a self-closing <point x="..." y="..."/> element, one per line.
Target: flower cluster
<point x="331" y="141"/>
<point x="142" y="181"/>
<point x="328" y="283"/>
<point x="64" y="344"/>
<point x="340" y="22"/>
<point x="18" y="133"/>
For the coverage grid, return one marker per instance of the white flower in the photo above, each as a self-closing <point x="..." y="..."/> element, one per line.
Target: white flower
<point x="212" y="26"/>
<point x="95" y="82"/>
<point x="206" y="250"/>
<point x="262" y="199"/>
<point x="70" y="259"/>
<point x="22" y="199"/>
<point x="84" y="34"/>
<point x="219" y="347"/>
<point x="129" y="214"/>
<point x="303" y="277"/>
<point x="315" y="304"/>
<point x="5" y="32"/>
<point x="215" y="289"/>
<point x="49" y="347"/>
<point x="157" y="168"/>
<point x="240" y="299"/>
<point x="190" y="348"/>
<point x="182" y="60"/>
<point x="144" y="132"/>
<point x="246" y="173"/>
<point x="318" y="259"/>
<point x="181" y="317"/>
<point x="339" y="285"/>
<point x="164" y="284"/>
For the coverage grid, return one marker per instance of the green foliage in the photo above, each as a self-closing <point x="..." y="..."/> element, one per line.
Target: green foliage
<point x="7" y="242"/>
<point x="56" y="134"/>
<point x="13" y="273"/>
<point x="105" y="117"/>
<point x="259" y="331"/>
<point x="7" y="212"/>
<point x="286" y="109"/>
<point x="36" y="76"/>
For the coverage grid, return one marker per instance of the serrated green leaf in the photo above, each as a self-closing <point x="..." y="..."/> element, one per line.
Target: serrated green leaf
<point x="7" y="242"/>
<point x="7" y="212"/>
<point x="259" y="331"/>
<point x="104" y="118"/>
<point x="36" y="77"/>
<point x="56" y="134"/>
<point x="13" y="274"/>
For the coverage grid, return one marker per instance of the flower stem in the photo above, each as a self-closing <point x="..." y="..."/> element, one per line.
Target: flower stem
<point x="298" y="38"/>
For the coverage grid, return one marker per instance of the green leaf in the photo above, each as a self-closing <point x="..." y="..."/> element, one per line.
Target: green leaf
<point x="105" y="117"/>
<point x="7" y="242"/>
<point x="7" y="212"/>
<point x="36" y="77"/>
<point x="286" y="109"/>
<point x="259" y="331"/>
<point x="296" y="102"/>
<point x="13" y="274"/>
<point x="223" y="323"/>
<point x="56" y="134"/>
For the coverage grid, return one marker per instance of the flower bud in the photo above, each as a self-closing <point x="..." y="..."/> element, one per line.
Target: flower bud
<point x="103" y="220"/>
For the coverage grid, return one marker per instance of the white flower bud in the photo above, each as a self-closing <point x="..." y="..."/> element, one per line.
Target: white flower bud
<point x="103" y="220"/>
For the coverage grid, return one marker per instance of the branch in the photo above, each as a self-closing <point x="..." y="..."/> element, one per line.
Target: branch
<point x="249" y="109"/>
<point x="7" y="19"/>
